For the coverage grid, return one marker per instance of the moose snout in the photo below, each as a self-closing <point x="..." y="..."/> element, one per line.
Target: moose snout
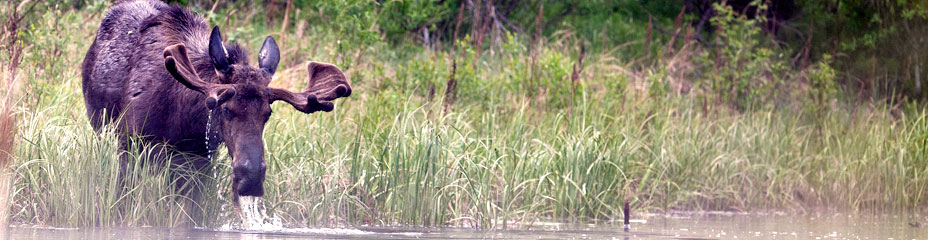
<point x="248" y="178"/>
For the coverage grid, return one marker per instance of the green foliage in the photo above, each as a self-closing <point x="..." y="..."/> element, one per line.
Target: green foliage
<point x="398" y="18"/>
<point x="743" y="71"/>
<point x="49" y="45"/>
<point x="822" y="85"/>
<point x="609" y="23"/>
<point x="554" y="75"/>
<point x="877" y="45"/>
<point x="657" y="88"/>
<point x="352" y="23"/>
<point x="422" y="76"/>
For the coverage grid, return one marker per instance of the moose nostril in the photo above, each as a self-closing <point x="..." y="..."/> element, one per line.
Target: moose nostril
<point x="250" y="170"/>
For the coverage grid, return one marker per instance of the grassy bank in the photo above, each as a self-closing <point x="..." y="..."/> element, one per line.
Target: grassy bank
<point x="511" y="145"/>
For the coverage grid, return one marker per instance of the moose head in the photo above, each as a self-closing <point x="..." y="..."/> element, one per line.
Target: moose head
<point x="243" y="100"/>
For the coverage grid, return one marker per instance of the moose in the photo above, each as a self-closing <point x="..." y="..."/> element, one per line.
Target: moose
<point x="157" y="72"/>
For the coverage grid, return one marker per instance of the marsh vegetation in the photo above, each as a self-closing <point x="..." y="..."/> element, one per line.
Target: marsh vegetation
<point x="509" y="130"/>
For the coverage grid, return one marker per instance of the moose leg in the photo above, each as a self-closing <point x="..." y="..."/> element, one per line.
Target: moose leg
<point x="193" y="182"/>
<point x="123" y="174"/>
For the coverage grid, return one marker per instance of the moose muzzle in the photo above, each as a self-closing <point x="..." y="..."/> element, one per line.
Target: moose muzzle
<point x="248" y="179"/>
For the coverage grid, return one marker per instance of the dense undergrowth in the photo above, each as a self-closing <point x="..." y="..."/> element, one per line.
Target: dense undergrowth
<point x="525" y="136"/>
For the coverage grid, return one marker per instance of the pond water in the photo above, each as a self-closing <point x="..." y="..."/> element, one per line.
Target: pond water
<point x="673" y="226"/>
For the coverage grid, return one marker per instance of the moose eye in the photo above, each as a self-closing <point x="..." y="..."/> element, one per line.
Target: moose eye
<point x="229" y="114"/>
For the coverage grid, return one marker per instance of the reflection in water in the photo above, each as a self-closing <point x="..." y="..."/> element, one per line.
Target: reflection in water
<point x="672" y="226"/>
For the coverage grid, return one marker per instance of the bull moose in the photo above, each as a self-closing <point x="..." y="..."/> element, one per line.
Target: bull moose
<point x="156" y="71"/>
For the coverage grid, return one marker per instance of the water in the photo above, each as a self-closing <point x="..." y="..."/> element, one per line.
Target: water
<point x="209" y="149"/>
<point x="675" y="226"/>
<point x="254" y="215"/>
<point x="209" y="154"/>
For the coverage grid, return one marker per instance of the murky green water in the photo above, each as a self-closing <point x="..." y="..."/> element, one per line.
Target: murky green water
<point x="676" y="226"/>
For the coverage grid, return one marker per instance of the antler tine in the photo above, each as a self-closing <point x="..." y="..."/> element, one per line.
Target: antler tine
<point x="304" y="101"/>
<point x="326" y="83"/>
<point x="178" y="64"/>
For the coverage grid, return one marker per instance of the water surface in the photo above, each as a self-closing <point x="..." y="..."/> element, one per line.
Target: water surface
<point x="673" y="226"/>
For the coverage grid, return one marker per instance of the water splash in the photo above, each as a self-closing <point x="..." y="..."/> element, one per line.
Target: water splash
<point x="254" y="215"/>
<point x="256" y="220"/>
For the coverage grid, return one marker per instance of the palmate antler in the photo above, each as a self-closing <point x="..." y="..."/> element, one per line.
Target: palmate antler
<point x="178" y="64"/>
<point x="326" y="83"/>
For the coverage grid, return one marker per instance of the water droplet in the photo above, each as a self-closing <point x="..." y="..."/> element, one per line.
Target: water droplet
<point x="209" y="155"/>
<point x="209" y="120"/>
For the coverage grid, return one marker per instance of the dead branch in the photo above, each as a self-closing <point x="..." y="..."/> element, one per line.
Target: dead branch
<point x="574" y="78"/>
<point x="451" y="86"/>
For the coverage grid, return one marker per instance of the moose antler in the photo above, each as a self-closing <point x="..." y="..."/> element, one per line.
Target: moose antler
<point x="178" y="64"/>
<point x="326" y="83"/>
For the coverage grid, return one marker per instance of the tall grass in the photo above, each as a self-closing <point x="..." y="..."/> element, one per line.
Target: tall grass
<point x="506" y="154"/>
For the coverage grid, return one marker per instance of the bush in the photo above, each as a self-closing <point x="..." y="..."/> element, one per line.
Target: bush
<point x="742" y="70"/>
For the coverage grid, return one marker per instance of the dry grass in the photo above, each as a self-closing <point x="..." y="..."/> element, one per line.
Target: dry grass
<point x="11" y="59"/>
<point x="7" y="136"/>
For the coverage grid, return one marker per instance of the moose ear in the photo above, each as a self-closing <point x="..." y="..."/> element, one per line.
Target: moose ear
<point x="269" y="55"/>
<point x="217" y="52"/>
